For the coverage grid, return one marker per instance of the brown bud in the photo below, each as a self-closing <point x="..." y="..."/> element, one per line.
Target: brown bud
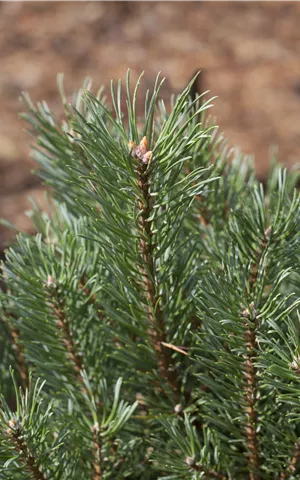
<point x="268" y="232"/>
<point x="140" y="398"/>
<point x="144" y="146"/>
<point x="178" y="408"/>
<point x="131" y="145"/>
<point x="190" y="461"/>
<point x="253" y="310"/>
<point x="13" y="426"/>
<point x="50" y="281"/>
<point x="141" y="152"/>
<point x="13" y="423"/>
<point x="147" y="157"/>
<point x="95" y="428"/>
<point x="295" y="364"/>
<point x="250" y="313"/>
<point x="245" y="313"/>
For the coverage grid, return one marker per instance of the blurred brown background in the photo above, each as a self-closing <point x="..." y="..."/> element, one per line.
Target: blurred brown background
<point x="249" y="52"/>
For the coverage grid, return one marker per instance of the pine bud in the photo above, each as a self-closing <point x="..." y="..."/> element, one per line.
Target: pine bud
<point x="50" y="281"/>
<point x="295" y="364"/>
<point x="250" y="313"/>
<point x="147" y="157"/>
<point x="178" y="408"/>
<point x="268" y="232"/>
<point x="253" y="310"/>
<point x="140" y="152"/>
<point x="131" y="145"/>
<point x="190" y="461"/>
<point x="143" y="146"/>
<point x="13" y="426"/>
<point x="95" y="428"/>
<point x="13" y="423"/>
<point x="245" y="313"/>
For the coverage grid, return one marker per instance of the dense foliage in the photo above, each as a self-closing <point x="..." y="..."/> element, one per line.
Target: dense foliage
<point x="156" y="308"/>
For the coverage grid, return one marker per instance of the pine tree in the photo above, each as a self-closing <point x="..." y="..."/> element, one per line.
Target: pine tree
<point x="151" y="324"/>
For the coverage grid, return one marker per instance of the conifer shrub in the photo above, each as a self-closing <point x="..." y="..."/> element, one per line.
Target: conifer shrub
<point x="150" y="329"/>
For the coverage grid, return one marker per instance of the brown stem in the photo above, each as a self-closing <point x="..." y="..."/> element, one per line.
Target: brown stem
<point x="30" y="463"/>
<point x="67" y="337"/>
<point x="97" y="453"/>
<point x="250" y="370"/>
<point x="250" y="374"/>
<point x="157" y="331"/>
<point x="294" y="462"/>
<point x="17" y="347"/>
<point x="68" y="341"/>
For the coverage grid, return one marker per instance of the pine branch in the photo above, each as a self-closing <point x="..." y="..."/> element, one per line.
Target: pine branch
<point x="15" y="433"/>
<point x="250" y="370"/>
<point x="56" y="303"/>
<point x="157" y="332"/>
